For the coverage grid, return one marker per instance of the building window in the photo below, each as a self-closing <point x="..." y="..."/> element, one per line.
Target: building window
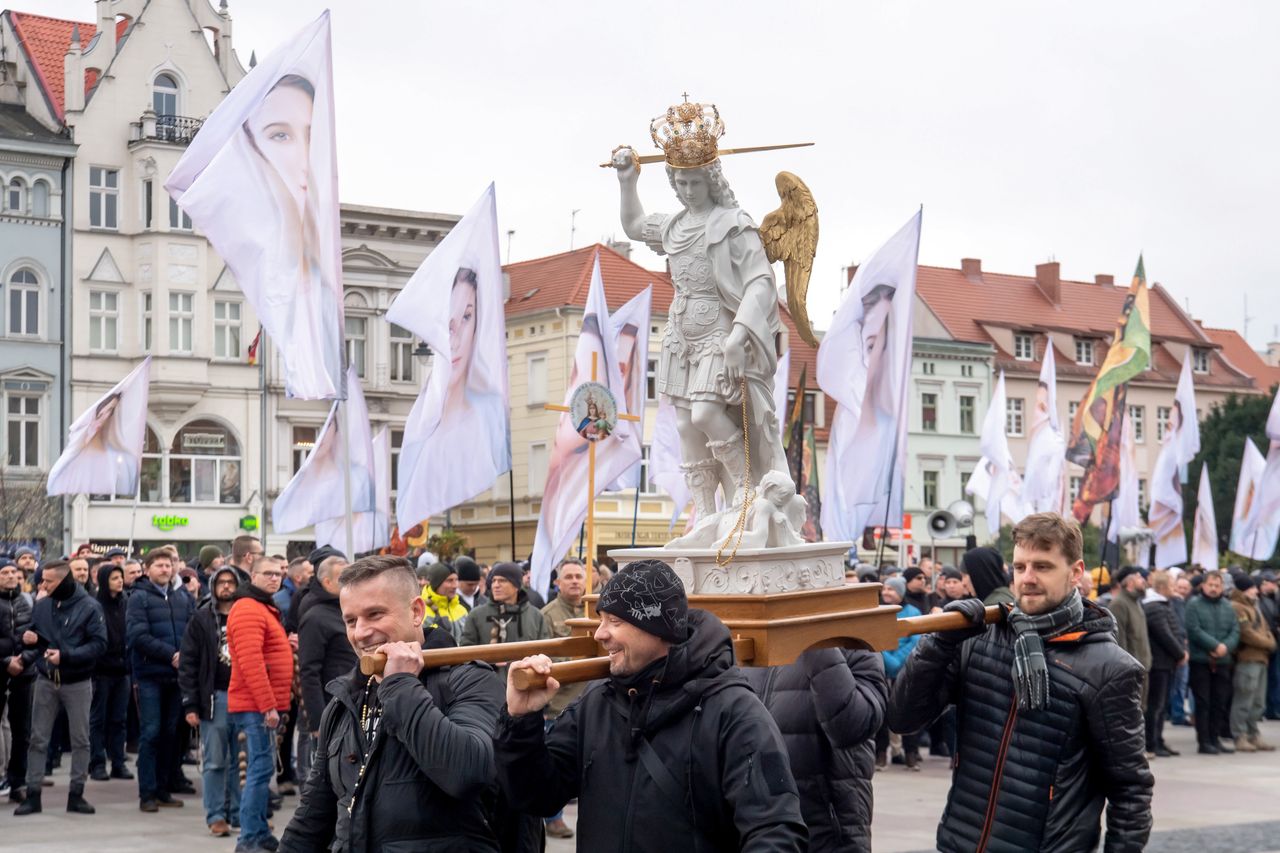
<point x="651" y="380"/>
<point x="1164" y="414"/>
<point x="179" y="219"/>
<point x="537" y="467"/>
<point x="537" y="365"/>
<point x="150" y="474"/>
<point x="401" y="354"/>
<point x="1200" y="360"/>
<point x="1074" y="488"/>
<point x="304" y="441"/>
<point x="966" y="370"/>
<point x="927" y="368"/>
<point x="22" y="430"/>
<point x="204" y="465"/>
<point x="226" y="329"/>
<point x="1084" y="351"/>
<point x="40" y="200"/>
<point x="145" y="327"/>
<point x="357" y="333"/>
<point x="148" y="204"/>
<point x="1072" y="408"/>
<point x="104" y="192"/>
<point x="104" y="320"/>
<point x="968" y="409"/>
<point x="182" y="319"/>
<point x="164" y="102"/>
<point x="1024" y="348"/>
<point x="647" y="485"/>
<point x="15" y="197"/>
<point x="1138" y="419"/>
<point x="24" y="303"/>
<point x="1013" y="416"/>
<point x="928" y="413"/>
<point x="397" y="441"/>
<point x="810" y="406"/>
<point x="1142" y="493"/>
<point x="929" y="488"/>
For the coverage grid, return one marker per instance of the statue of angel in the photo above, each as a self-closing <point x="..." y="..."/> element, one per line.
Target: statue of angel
<point x="720" y="342"/>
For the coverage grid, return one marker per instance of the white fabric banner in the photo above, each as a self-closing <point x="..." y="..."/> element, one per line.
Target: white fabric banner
<point x="1265" y="522"/>
<point x="1179" y="445"/>
<point x="664" y="458"/>
<point x="1204" y="539"/>
<point x="564" y="500"/>
<point x="260" y="180"/>
<point x="1125" y="510"/>
<point x="104" y="445"/>
<point x="1043" y="485"/>
<point x="316" y="493"/>
<point x="631" y="348"/>
<point x="996" y="479"/>
<point x="456" y="436"/>
<point x="371" y="530"/>
<point x="1248" y="489"/>
<point x="864" y="364"/>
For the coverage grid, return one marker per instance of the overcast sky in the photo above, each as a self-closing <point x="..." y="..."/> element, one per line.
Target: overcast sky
<point x="1084" y="132"/>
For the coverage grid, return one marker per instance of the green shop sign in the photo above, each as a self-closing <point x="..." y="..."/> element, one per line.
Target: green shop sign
<point x="168" y="522"/>
<point x="249" y="522"/>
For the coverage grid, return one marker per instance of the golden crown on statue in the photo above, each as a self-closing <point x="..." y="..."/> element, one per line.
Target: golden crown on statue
<point x="688" y="134"/>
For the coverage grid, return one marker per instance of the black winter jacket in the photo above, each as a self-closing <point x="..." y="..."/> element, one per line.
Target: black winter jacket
<point x="680" y="756"/>
<point x="829" y="705"/>
<point x="114" y="662"/>
<point x="324" y="652"/>
<point x="198" y="662"/>
<point x="15" y="619"/>
<point x="1168" y="638"/>
<point x="69" y="620"/>
<point x="157" y="620"/>
<point x="425" y="783"/>
<point x="1036" y="780"/>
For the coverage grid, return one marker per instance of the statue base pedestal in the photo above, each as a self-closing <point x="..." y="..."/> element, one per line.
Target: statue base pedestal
<point x="757" y="571"/>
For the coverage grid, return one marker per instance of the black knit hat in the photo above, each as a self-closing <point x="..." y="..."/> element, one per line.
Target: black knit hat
<point x="324" y="552"/>
<point x="437" y="574"/>
<point x="508" y="571"/>
<point x="468" y="569"/>
<point x="649" y="595"/>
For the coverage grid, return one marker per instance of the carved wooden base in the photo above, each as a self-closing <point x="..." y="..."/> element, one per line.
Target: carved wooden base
<point x="757" y="571"/>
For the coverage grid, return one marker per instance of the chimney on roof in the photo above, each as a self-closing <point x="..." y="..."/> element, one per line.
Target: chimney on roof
<point x="1049" y="281"/>
<point x="1104" y="280"/>
<point x="850" y="272"/>
<point x="106" y="33"/>
<point x="73" y="74"/>
<point x="622" y="247"/>
<point x="972" y="268"/>
<point x="506" y="285"/>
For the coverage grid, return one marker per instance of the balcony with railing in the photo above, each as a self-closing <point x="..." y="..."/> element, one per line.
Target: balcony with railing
<point x="176" y="130"/>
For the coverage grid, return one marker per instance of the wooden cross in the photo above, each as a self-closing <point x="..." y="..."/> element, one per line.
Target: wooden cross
<point x="591" y="481"/>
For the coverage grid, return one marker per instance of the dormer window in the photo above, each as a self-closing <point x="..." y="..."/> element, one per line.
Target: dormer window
<point x="1024" y="348"/>
<point x="1084" y="351"/>
<point x="1200" y="360"/>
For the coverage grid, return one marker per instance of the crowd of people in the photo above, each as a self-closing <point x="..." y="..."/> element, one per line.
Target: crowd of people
<point x="251" y="660"/>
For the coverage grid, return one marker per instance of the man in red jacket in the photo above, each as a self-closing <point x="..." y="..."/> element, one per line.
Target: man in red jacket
<point x="261" y="675"/>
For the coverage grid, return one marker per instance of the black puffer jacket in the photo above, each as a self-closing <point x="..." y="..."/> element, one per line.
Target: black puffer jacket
<point x="69" y="620"/>
<point x="424" y="787"/>
<point x="157" y="619"/>
<point x="829" y="705"/>
<point x="681" y="756"/>
<point x="324" y="652"/>
<point x="15" y="619"/>
<point x="198" y="662"/>
<point x="113" y="662"/>
<point x="1168" y="637"/>
<point x="1049" y="771"/>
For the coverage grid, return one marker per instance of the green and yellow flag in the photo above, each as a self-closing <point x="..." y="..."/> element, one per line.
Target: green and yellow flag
<point x="1099" y="421"/>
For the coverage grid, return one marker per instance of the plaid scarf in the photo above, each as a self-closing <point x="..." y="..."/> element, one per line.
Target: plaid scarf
<point x="1030" y="671"/>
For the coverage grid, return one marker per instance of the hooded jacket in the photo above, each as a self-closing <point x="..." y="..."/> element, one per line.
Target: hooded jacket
<point x="523" y="622"/>
<point x="424" y="787"/>
<point x="1168" y="639"/>
<point x="1035" y="779"/>
<point x="679" y="756"/>
<point x="114" y="661"/>
<point x="157" y="619"/>
<point x="985" y="568"/>
<point x="261" y="657"/>
<point x="829" y="705"/>
<point x="69" y="620"/>
<point x="198" y="664"/>
<point x="15" y="620"/>
<point x="1256" y="640"/>
<point x="324" y="653"/>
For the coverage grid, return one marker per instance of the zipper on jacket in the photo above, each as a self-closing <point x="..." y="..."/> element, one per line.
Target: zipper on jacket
<point x="998" y="775"/>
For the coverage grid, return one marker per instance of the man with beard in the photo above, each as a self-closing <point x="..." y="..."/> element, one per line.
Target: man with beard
<point x="204" y="675"/>
<point x="404" y="759"/>
<point x="17" y="672"/>
<point x="1050" y="720"/>
<point x="110" y="682"/>
<point x="673" y="751"/>
<point x="1212" y="636"/>
<point x="508" y="617"/>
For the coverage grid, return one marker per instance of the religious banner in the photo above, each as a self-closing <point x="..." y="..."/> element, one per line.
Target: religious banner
<point x="317" y="492"/>
<point x="1096" y="432"/>
<point x="866" y="450"/>
<point x="664" y="460"/>
<point x="812" y="529"/>
<point x="456" y="438"/>
<point x="1248" y="489"/>
<point x="260" y="180"/>
<point x="1043" y="484"/>
<point x="564" y="500"/>
<point x="370" y="530"/>
<point x="1126" y="512"/>
<point x="631" y="347"/>
<point x="1204" y="539"/>
<point x="781" y="391"/>
<point x="1179" y="445"/>
<point x="793" y="434"/>
<point x="104" y="445"/>
<point x="1265" y="521"/>
<point x="996" y="471"/>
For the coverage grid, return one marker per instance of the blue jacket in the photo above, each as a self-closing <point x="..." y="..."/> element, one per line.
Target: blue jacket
<point x="69" y="620"/>
<point x="284" y="596"/>
<point x="894" y="660"/>
<point x="155" y="622"/>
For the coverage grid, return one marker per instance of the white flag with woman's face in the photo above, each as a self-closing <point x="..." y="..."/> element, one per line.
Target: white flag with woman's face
<point x="260" y="179"/>
<point x="104" y="445"/>
<point x="371" y="530"/>
<point x="317" y="492"/>
<point x="456" y="437"/>
<point x="631" y="349"/>
<point x="1204" y="540"/>
<point x="1046" y="446"/>
<point x="1244" y="512"/>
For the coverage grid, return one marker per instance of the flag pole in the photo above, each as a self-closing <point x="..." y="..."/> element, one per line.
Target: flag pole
<point x="133" y="515"/>
<point x="262" y="435"/>
<point x="635" y="511"/>
<point x="888" y="502"/>
<point x="1106" y="536"/>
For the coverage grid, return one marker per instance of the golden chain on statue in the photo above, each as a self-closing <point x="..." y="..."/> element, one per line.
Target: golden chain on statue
<point x="748" y="493"/>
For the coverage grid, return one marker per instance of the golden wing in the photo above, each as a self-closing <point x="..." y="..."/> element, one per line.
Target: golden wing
<point x="790" y="235"/>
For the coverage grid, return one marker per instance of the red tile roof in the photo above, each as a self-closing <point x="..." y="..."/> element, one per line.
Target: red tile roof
<point x="46" y="41"/>
<point x="1237" y="351"/>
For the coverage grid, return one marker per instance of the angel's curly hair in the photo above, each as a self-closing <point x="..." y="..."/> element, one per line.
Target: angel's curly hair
<point x="721" y="194"/>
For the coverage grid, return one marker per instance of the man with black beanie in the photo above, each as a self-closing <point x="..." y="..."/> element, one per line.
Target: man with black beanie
<point x="680" y="753"/>
<point x="918" y="594"/>
<point x="469" y="592"/>
<point x="509" y="617"/>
